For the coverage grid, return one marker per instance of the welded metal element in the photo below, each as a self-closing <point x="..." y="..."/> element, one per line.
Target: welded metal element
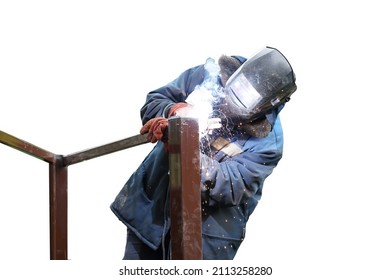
<point x="105" y="149"/>
<point x="58" y="182"/>
<point x="58" y="196"/>
<point x="184" y="186"/>
<point x="186" y="218"/>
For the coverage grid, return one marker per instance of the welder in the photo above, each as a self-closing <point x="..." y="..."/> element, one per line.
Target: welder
<point x="247" y="95"/>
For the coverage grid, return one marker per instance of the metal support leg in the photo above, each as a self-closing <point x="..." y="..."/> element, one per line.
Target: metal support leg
<point x="58" y="195"/>
<point x="186" y="217"/>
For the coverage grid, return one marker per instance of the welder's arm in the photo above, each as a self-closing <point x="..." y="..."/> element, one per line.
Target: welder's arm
<point x="236" y="179"/>
<point x="160" y="101"/>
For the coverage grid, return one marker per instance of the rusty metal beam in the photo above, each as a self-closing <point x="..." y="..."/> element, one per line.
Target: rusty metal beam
<point x="105" y="149"/>
<point x="186" y="217"/>
<point x="25" y="147"/>
<point x="58" y="196"/>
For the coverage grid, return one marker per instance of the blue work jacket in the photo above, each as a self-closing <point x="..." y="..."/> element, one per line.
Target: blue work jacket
<point x="231" y="187"/>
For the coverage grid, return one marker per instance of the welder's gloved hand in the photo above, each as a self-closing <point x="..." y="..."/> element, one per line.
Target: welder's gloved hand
<point x="181" y="109"/>
<point x="156" y="129"/>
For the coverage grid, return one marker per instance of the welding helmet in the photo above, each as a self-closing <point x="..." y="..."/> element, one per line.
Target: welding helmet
<point x="261" y="84"/>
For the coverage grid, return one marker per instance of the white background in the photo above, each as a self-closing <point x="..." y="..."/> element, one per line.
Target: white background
<point x="74" y="74"/>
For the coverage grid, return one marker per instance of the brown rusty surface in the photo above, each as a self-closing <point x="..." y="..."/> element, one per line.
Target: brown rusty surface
<point x="58" y="196"/>
<point x="186" y="219"/>
<point x="23" y="146"/>
<point x="105" y="149"/>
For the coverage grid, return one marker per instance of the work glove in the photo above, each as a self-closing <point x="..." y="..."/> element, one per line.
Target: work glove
<point x="156" y="129"/>
<point x="181" y="109"/>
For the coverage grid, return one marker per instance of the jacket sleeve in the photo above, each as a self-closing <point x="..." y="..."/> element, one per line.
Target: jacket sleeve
<point x="233" y="180"/>
<point x="159" y="101"/>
